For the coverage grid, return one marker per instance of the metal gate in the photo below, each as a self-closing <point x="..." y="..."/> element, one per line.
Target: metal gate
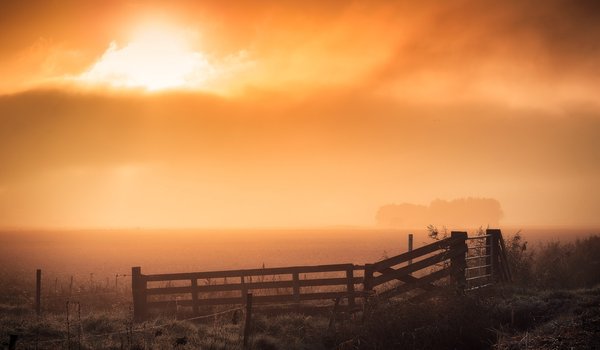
<point x="486" y="260"/>
<point x="480" y="265"/>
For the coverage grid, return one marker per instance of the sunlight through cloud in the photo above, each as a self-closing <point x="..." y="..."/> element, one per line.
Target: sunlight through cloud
<point x="154" y="60"/>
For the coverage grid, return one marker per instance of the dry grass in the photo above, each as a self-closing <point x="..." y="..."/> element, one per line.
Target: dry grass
<point x="534" y="313"/>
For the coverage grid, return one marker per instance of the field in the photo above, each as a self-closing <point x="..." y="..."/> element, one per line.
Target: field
<point x="91" y="269"/>
<point x="108" y="252"/>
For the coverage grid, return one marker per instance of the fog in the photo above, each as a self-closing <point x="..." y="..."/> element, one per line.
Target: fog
<point x="317" y="115"/>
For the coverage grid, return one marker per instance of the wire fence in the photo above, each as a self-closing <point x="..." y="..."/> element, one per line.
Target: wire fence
<point x="129" y="330"/>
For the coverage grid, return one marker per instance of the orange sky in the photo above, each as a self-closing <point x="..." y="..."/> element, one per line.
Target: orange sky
<point x="282" y="113"/>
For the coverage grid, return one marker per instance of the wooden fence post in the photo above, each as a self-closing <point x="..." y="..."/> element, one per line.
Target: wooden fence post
<point x="248" y="323"/>
<point x="71" y="287"/>
<point x="410" y="245"/>
<point x="350" y="286"/>
<point x="368" y="279"/>
<point x="495" y="253"/>
<point x="244" y="288"/>
<point x="38" y="292"/>
<point x="12" y="341"/>
<point x="501" y="269"/>
<point x="296" y="286"/>
<point x="367" y="289"/>
<point x="489" y="251"/>
<point x="195" y="307"/>
<point x="504" y="259"/>
<point x="458" y="263"/>
<point x="296" y="289"/>
<point x="138" y="289"/>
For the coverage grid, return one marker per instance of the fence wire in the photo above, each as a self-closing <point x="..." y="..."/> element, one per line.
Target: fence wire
<point x="130" y="331"/>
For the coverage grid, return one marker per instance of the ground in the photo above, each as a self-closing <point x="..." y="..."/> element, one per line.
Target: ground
<point x="501" y="319"/>
<point x="572" y="322"/>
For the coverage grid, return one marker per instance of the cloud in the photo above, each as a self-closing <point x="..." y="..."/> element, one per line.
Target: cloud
<point x="161" y="58"/>
<point x="135" y="66"/>
<point x="339" y="107"/>
<point x="516" y="53"/>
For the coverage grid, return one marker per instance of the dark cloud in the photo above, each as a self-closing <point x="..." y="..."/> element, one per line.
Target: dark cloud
<point x="515" y="43"/>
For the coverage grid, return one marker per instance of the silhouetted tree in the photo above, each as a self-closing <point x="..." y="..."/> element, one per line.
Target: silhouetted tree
<point x="458" y="213"/>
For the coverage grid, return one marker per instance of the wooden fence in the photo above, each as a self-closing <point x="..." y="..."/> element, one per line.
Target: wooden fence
<point x="416" y="269"/>
<point x="444" y="258"/>
<point x="270" y="285"/>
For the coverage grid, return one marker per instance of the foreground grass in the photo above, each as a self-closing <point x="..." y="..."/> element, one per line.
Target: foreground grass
<point x="115" y="330"/>
<point x="500" y="319"/>
<point x="553" y="319"/>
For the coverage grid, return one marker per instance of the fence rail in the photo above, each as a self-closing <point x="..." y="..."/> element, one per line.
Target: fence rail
<point x="212" y="294"/>
<point x="450" y="258"/>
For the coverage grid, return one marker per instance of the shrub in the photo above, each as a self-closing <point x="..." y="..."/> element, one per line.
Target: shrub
<point x="447" y="322"/>
<point x="554" y="264"/>
<point x="520" y="259"/>
<point x="568" y="265"/>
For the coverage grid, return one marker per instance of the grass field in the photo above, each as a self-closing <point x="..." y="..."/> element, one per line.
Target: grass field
<point x="535" y="312"/>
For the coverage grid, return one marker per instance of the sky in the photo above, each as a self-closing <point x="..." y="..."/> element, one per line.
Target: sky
<point x="296" y="113"/>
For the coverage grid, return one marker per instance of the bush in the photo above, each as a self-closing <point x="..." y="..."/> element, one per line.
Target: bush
<point x="555" y="264"/>
<point x="520" y="259"/>
<point x="447" y="322"/>
<point x="570" y="265"/>
<point x="295" y="331"/>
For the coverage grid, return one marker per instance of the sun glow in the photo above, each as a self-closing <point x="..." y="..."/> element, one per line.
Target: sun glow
<point x="157" y="58"/>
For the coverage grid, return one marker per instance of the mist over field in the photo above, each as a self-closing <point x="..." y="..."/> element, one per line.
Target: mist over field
<point x="109" y="252"/>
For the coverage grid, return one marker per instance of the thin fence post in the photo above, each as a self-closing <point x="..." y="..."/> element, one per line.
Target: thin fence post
<point x="333" y="314"/>
<point x="38" y="292"/>
<point x="138" y="289"/>
<point x="494" y="260"/>
<point x="410" y="245"/>
<point x="79" y="326"/>
<point x="68" y="326"/>
<point x="458" y="262"/>
<point x="12" y="341"/>
<point x="248" y="323"/>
